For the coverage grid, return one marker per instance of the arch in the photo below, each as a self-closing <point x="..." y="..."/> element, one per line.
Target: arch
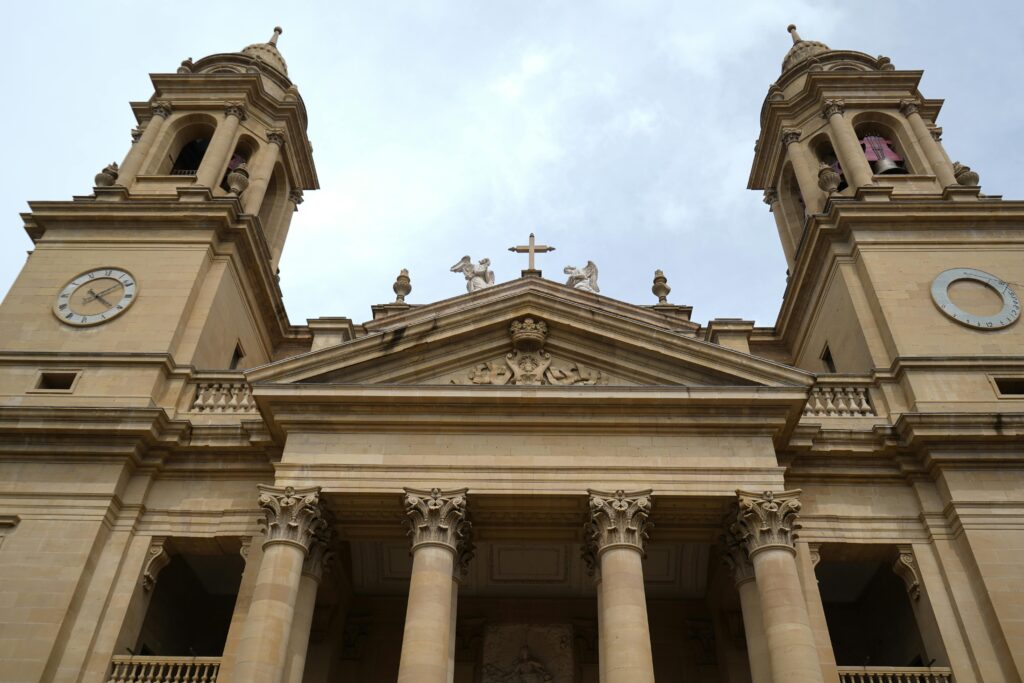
<point x="184" y="144"/>
<point x="880" y="124"/>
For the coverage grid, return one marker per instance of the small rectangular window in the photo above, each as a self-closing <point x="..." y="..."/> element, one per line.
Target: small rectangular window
<point x="1010" y="386"/>
<point x="56" y="381"/>
<point x="826" y="359"/>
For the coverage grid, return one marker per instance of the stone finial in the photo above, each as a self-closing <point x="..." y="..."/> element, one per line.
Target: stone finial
<point x="734" y="553"/>
<point x="437" y="517"/>
<point x="964" y="175"/>
<point x="238" y="179"/>
<point x="660" y="287"/>
<point x="108" y="176"/>
<point x="277" y="34"/>
<point x="186" y="66"/>
<point x="402" y="286"/>
<point x="885" y="64"/>
<point x="293" y="515"/>
<point x="767" y="520"/>
<point x="828" y="178"/>
<point x="617" y="519"/>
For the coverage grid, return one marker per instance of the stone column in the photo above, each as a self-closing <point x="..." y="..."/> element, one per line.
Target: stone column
<point x="936" y="158"/>
<point x="736" y="558"/>
<point x="855" y="165"/>
<point x="294" y="519"/>
<point x="317" y="559"/>
<point x="805" y="168"/>
<point x="771" y="198"/>
<point x="281" y="234"/>
<point x="221" y="145"/>
<point x="139" y="152"/>
<point x="765" y="524"/>
<point x="616" y="534"/>
<point x="261" y="170"/>
<point x="439" y="531"/>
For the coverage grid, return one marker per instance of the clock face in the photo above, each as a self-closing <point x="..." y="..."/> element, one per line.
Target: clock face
<point x="1005" y="317"/>
<point x="95" y="297"/>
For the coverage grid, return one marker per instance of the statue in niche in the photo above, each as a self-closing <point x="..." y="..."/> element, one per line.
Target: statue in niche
<point x="526" y="669"/>
<point x="478" y="276"/>
<point x="583" y="279"/>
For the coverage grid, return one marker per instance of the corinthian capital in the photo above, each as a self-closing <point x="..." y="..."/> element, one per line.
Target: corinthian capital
<point x="276" y="135"/>
<point x="833" y="107"/>
<point x="771" y="195"/>
<point x="437" y="517"/>
<point x="790" y="135"/>
<point x="908" y="107"/>
<point x="292" y="515"/>
<point x="767" y="520"/>
<point x="236" y="109"/>
<point x="616" y="520"/>
<point x="161" y="109"/>
<point x="734" y="554"/>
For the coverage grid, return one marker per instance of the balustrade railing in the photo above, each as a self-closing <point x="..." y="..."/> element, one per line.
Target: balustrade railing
<point x="895" y="674"/>
<point x="138" y="669"/>
<point x="839" y="401"/>
<point x="224" y="398"/>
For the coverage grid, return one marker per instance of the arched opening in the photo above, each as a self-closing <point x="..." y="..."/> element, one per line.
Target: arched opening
<point x="883" y="145"/>
<point x="182" y="150"/>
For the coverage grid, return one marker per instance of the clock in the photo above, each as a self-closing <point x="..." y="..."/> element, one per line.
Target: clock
<point x="1005" y="317"/>
<point x="95" y="297"/>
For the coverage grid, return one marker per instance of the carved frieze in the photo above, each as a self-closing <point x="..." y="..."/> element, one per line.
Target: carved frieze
<point x="292" y="515"/>
<point x="437" y="517"/>
<point x="767" y="520"/>
<point x="615" y="520"/>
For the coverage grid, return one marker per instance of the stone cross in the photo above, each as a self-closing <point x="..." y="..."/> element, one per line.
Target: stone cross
<point x="531" y="249"/>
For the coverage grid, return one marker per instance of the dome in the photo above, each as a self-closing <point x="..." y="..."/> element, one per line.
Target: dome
<point x="802" y="50"/>
<point x="268" y="53"/>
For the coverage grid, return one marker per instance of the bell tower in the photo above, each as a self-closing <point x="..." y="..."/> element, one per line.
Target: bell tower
<point x="172" y="259"/>
<point x="895" y="256"/>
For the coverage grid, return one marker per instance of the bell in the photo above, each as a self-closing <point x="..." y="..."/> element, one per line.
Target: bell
<point x="886" y="166"/>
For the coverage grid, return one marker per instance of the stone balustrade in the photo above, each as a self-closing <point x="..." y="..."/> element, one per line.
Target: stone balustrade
<point x="828" y="400"/>
<point x="223" y="397"/>
<point x="136" y="669"/>
<point x="895" y="674"/>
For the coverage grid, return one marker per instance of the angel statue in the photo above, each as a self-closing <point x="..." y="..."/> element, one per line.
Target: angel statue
<point x="478" y="276"/>
<point x="583" y="279"/>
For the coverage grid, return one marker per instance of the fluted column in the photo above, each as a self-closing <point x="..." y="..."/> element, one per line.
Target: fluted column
<point x="805" y="168"/>
<point x="616" y="535"/>
<point x="765" y="524"/>
<point x="936" y="158"/>
<point x="216" y="158"/>
<point x="294" y="519"/>
<point x="439" y="531"/>
<point x="317" y="559"/>
<point x="736" y="558"/>
<point x="261" y="170"/>
<point x="139" y="152"/>
<point x="855" y="165"/>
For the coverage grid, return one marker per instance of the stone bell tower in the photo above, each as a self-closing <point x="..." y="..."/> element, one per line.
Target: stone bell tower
<point x="172" y="259"/>
<point x="898" y="263"/>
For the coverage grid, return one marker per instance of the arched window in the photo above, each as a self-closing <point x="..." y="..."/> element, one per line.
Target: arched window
<point x="191" y="155"/>
<point x="884" y="145"/>
<point x="182" y="148"/>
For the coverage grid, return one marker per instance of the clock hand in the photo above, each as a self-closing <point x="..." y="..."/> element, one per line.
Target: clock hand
<point x="100" y="297"/>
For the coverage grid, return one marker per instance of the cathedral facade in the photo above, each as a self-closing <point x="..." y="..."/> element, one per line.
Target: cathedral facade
<point x="532" y="481"/>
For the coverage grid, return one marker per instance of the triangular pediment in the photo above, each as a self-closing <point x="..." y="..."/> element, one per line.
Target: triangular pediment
<point x="576" y="339"/>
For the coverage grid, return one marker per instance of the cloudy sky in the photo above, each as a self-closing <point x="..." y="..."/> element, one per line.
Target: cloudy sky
<point x="619" y="131"/>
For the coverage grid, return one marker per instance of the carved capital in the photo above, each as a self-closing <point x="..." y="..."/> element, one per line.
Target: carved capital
<point x="771" y="195"/>
<point x="833" y="107"/>
<point x="617" y="520"/>
<point x="292" y="515"/>
<point x="161" y="109"/>
<point x="276" y="136"/>
<point x="156" y="559"/>
<point x="936" y="132"/>
<point x="437" y="517"/>
<point x="320" y="555"/>
<point x="905" y="567"/>
<point x="790" y="135"/>
<point x="908" y="107"/>
<point x="767" y="520"/>
<point x="295" y="197"/>
<point x="734" y="555"/>
<point x="236" y="109"/>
